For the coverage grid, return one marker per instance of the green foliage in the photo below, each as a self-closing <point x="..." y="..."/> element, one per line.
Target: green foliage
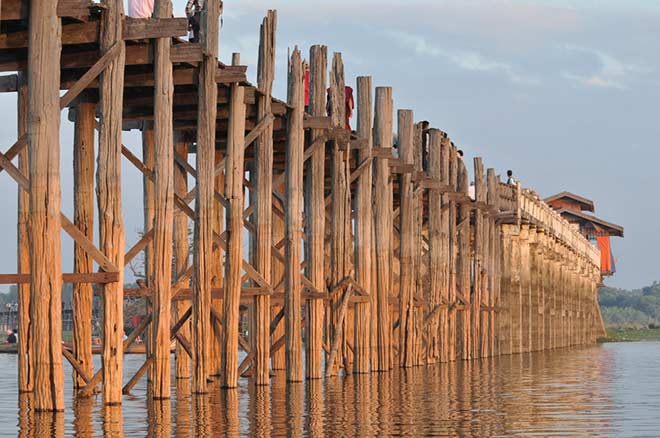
<point x="639" y="308"/>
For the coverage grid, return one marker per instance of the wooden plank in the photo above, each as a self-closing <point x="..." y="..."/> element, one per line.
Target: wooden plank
<point x="44" y="211"/>
<point x="111" y="226"/>
<point x="89" y="277"/>
<point x="157" y="27"/>
<point x="315" y="214"/>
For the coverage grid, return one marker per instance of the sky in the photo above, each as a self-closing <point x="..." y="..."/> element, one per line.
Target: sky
<point x="563" y="92"/>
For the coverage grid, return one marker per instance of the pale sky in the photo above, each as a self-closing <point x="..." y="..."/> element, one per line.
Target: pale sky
<point x="563" y="92"/>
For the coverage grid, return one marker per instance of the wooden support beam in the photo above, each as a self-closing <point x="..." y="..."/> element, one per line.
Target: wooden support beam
<point x="478" y="263"/>
<point x="464" y="282"/>
<point x="204" y="213"/>
<point x="83" y="201"/>
<point x="383" y="200"/>
<point x="294" y="223"/>
<point x="163" y="210"/>
<point x="234" y="191"/>
<point x="181" y="256"/>
<point x="263" y="175"/>
<point x="315" y="215"/>
<point x="25" y="357"/>
<point x="407" y="309"/>
<point x="111" y="226"/>
<point x="44" y="212"/>
<point x="363" y="230"/>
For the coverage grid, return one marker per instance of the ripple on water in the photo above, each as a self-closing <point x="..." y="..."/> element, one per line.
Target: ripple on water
<point x="609" y="390"/>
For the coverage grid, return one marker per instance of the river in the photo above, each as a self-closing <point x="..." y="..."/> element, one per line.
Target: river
<point x="605" y="390"/>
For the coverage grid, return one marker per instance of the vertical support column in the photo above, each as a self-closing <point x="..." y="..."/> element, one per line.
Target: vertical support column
<point x="204" y="202"/>
<point x="506" y="302"/>
<point x="340" y="209"/>
<point x="234" y="192"/>
<point x="44" y="214"/>
<point x="25" y="357"/>
<point x="420" y="282"/>
<point x="479" y="251"/>
<point x="525" y="287"/>
<point x="148" y="150"/>
<point x="452" y="250"/>
<point x="164" y="209"/>
<point x="217" y="273"/>
<point x="464" y="274"/>
<point x="181" y="256"/>
<point x="315" y="215"/>
<point x="437" y="260"/>
<point x="493" y="257"/>
<point x="364" y="228"/>
<point x="108" y="180"/>
<point x="407" y="309"/>
<point x="260" y="333"/>
<point x="383" y="226"/>
<point x="83" y="205"/>
<point x="294" y="195"/>
<point x="535" y="286"/>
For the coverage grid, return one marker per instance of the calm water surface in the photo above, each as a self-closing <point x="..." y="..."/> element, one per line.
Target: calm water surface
<point x="608" y="390"/>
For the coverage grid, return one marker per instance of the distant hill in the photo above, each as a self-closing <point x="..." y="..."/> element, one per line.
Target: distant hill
<point x="631" y="308"/>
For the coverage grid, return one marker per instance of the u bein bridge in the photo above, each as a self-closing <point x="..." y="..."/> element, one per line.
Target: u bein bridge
<point x="351" y="254"/>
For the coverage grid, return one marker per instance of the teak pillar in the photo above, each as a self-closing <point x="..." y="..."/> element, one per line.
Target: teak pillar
<point x="235" y="172"/>
<point x="340" y="215"/>
<point x="383" y="199"/>
<point x="463" y="264"/>
<point x="452" y="209"/>
<point x="83" y="204"/>
<point x="44" y="213"/>
<point x="25" y="359"/>
<point x="437" y="240"/>
<point x="204" y="202"/>
<point x="293" y="225"/>
<point x="407" y="247"/>
<point x="260" y="332"/>
<point x="108" y="179"/>
<point x="315" y="215"/>
<point x="181" y="257"/>
<point x="148" y="150"/>
<point x="363" y="228"/>
<point x="164" y="209"/>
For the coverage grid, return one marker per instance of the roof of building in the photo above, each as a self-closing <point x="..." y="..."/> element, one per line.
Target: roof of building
<point x="585" y="204"/>
<point x="600" y="226"/>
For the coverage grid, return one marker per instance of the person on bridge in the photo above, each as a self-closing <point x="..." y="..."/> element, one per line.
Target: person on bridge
<point x="140" y="8"/>
<point x="194" y="14"/>
<point x="510" y="179"/>
<point x="13" y="337"/>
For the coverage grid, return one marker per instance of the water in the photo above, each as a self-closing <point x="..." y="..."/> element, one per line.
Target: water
<point x="608" y="390"/>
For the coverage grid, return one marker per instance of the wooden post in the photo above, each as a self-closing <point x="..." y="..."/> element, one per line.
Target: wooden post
<point x="407" y="310"/>
<point x="83" y="204"/>
<point x="383" y="226"/>
<point x="44" y="214"/>
<point x="235" y="171"/>
<point x="315" y="216"/>
<point x="25" y="357"/>
<point x="214" y="358"/>
<point x="181" y="256"/>
<point x="363" y="229"/>
<point x="463" y="272"/>
<point x="148" y="151"/>
<point x="506" y="291"/>
<point x="493" y="258"/>
<point x="340" y="208"/>
<point x="108" y="179"/>
<point x="452" y="209"/>
<point x="478" y="248"/>
<point x="437" y="254"/>
<point x="294" y="182"/>
<point x="164" y="209"/>
<point x="421" y="266"/>
<point x="204" y="202"/>
<point x="260" y="332"/>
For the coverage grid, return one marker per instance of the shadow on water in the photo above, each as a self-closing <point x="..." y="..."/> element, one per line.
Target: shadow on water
<point x="583" y="392"/>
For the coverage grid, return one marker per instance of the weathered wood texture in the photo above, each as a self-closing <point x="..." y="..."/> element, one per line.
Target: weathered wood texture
<point x="294" y="225"/>
<point x="83" y="202"/>
<point x="383" y="227"/>
<point x="44" y="212"/>
<point x="181" y="257"/>
<point x="315" y="216"/>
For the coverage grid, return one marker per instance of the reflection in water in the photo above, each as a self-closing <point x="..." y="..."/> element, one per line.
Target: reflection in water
<point x="604" y="390"/>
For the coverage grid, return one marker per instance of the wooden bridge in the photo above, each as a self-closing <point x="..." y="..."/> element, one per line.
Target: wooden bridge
<point x="351" y="254"/>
